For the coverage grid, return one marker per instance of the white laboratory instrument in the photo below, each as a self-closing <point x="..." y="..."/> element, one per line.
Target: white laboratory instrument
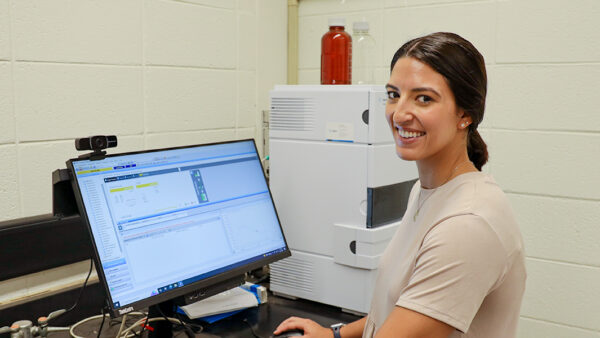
<point x="339" y="188"/>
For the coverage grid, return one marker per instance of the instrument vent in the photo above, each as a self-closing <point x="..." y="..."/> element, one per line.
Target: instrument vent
<point x="292" y="114"/>
<point x="293" y="273"/>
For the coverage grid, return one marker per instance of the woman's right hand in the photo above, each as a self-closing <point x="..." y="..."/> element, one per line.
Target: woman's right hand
<point x="311" y="328"/>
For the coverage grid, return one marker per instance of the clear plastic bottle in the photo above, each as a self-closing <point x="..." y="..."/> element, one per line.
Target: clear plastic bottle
<point x="363" y="56"/>
<point x="336" y="54"/>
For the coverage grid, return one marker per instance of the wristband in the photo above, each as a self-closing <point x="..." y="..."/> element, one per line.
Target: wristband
<point x="336" y="328"/>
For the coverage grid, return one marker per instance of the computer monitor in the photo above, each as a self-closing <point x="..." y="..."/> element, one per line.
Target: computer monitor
<point x="176" y="222"/>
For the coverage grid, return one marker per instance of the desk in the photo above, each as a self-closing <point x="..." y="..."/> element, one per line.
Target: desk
<point x="263" y="319"/>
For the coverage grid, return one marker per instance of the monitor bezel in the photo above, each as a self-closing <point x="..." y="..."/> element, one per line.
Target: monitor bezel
<point x="186" y="289"/>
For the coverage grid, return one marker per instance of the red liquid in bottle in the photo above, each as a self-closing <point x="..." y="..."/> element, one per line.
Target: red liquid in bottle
<point x="336" y="56"/>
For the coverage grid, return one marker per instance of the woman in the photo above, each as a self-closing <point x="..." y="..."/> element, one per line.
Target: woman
<point x="455" y="267"/>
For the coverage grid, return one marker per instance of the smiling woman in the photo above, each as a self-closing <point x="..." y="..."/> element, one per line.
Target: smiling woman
<point x="455" y="267"/>
<point x="446" y="72"/>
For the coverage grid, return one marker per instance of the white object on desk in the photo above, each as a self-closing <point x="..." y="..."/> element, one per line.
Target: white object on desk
<point x="227" y="301"/>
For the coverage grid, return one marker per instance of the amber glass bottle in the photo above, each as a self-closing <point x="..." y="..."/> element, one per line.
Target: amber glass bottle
<point x="336" y="54"/>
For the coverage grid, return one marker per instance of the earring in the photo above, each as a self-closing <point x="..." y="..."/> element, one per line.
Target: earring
<point x="462" y="125"/>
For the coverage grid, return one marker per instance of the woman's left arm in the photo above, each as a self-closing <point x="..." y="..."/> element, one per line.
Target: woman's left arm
<point x="405" y="323"/>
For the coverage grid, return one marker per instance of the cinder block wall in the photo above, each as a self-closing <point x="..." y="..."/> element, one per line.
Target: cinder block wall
<point x="542" y="126"/>
<point x="157" y="73"/>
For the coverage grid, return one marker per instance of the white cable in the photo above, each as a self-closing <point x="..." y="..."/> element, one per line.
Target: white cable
<point x="85" y="320"/>
<point x="121" y="327"/>
<point x="123" y="323"/>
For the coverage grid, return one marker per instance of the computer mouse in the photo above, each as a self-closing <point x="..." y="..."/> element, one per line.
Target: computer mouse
<point x="290" y="333"/>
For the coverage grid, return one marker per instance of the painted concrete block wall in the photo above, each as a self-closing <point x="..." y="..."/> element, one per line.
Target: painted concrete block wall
<point x="157" y="73"/>
<point x="542" y="126"/>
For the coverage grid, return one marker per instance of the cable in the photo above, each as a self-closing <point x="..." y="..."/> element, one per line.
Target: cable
<point x="245" y="320"/>
<point x="143" y="326"/>
<point x="121" y="327"/>
<point x="61" y="312"/>
<point x="145" y="321"/>
<point x="197" y="328"/>
<point x="83" y="287"/>
<point x="102" y="323"/>
<point x="85" y="320"/>
<point x="186" y="328"/>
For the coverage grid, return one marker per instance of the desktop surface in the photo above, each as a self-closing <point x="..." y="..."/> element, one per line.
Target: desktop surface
<point x="262" y="319"/>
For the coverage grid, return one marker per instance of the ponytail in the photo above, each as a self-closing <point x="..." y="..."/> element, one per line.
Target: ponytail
<point x="477" y="149"/>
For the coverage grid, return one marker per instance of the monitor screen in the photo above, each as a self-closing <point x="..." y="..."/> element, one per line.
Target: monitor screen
<point x="164" y="222"/>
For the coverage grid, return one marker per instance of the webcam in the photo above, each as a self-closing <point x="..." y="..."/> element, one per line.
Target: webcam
<point x="96" y="142"/>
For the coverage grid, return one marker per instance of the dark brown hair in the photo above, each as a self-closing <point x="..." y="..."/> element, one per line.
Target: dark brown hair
<point x="463" y="67"/>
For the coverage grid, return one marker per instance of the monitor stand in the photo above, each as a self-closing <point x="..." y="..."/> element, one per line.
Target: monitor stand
<point x="163" y="328"/>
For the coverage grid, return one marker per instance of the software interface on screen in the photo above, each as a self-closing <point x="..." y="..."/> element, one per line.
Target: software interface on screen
<point x="164" y="219"/>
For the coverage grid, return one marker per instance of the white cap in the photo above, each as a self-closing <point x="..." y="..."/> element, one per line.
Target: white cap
<point x="360" y="26"/>
<point x="337" y="22"/>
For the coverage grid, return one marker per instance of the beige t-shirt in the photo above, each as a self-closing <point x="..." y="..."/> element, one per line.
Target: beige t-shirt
<point x="461" y="262"/>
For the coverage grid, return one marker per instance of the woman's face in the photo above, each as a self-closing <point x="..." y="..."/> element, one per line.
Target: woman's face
<point x="421" y="111"/>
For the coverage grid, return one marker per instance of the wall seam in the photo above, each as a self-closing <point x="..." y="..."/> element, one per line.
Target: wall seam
<point x="200" y="5"/>
<point x="434" y="4"/>
<point x="78" y="63"/>
<point x="75" y="63"/>
<point x="143" y="67"/>
<point x="406" y="5"/>
<point x="447" y="4"/>
<point x="257" y="111"/>
<point x="529" y="194"/>
<point x="546" y="131"/>
<point x="559" y="262"/>
<point x="332" y="14"/>
<point x="560" y="324"/>
<point x="508" y="191"/>
<point x="237" y="67"/>
<point x="14" y="106"/>
<point x="549" y="63"/>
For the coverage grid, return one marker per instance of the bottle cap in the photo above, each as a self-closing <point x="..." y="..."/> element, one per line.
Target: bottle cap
<point x="360" y="26"/>
<point x="337" y="22"/>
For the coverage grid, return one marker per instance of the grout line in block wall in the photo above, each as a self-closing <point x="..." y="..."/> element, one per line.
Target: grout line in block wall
<point x="551" y="196"/>
<point x="499" y="64"/>
<point x="405" y="6"/>
<point x="257" y="112"/>
<point x="148" y="133"/>
<point x="70" y="139"/>
<point x="202" y="5"/>
<point x="446" y="4"/>
<point x="189" y="131"/>
<point x="80" y="63"/>
<point x="14" y="106"/>
<point x="560" y="324"/>
<point x="562" y="262"/>
<point x="144" y="103"/>
<point x="338" y="13"/>
<point x="496" y="30"/>
<point x="145" y="64"/>
<point x="191" y="67"/>
<point x="237" y="68"/>
<point x="547" y="131"/>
